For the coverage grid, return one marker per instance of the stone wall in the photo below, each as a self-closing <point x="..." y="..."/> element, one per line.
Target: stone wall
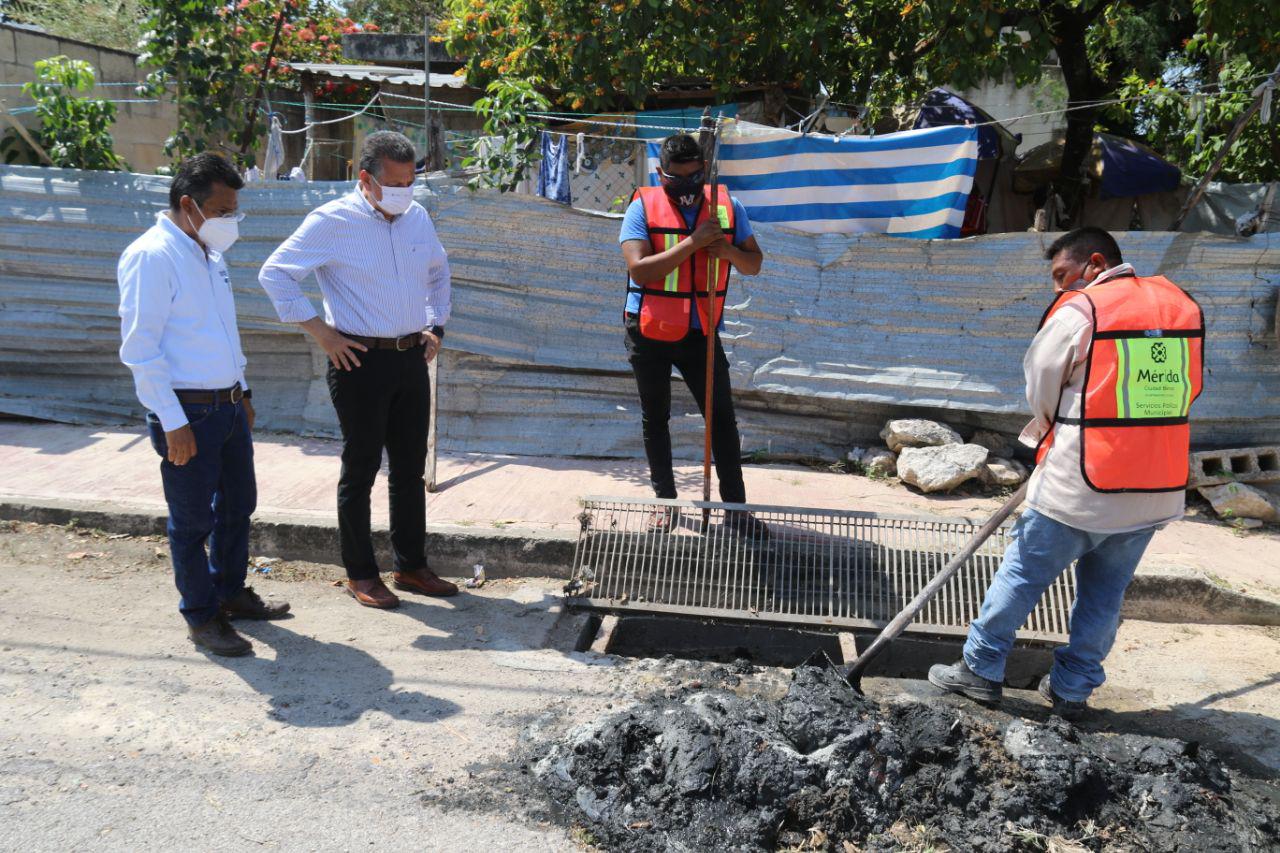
<point x="140" y="129"/>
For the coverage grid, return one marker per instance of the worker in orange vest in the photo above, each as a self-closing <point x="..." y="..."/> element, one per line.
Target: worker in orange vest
<point x="1111" y="377"/>
<point x="675" y="238"/>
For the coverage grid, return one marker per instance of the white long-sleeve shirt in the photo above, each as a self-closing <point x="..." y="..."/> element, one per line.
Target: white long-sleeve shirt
<point x="378" y="277"/>
<point x="1055" y="366"/>
<point x="177" y="320"/>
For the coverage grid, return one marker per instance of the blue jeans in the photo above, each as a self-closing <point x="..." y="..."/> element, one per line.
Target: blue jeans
<point x="1041" y="550"/>
<point x="210" y="500"/>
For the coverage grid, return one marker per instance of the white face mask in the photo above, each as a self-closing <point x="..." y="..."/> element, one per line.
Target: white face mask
<point x="395" y="200"/>
<point x="219" y="232"/>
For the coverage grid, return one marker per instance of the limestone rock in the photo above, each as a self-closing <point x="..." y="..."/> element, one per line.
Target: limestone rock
<point x="998" y="443"/>
<point x="917" y="432"/>
<point x="880" y="462"/>
<point x="1236" y="500"/>
<point x="942" y="468"/>
<point x="1003" y="472"/>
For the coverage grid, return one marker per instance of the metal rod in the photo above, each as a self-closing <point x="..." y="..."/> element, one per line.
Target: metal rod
<point x="711" y="333"/>
<point x="903" y="619"/>
<point x="247" y="137"/>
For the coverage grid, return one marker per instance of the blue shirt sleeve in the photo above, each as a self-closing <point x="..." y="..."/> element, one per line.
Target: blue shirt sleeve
<point x="741" y="224"/>
<point x="634" y="226"/>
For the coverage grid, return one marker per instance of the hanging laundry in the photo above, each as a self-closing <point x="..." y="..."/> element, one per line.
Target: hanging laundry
<point x="273" y="159"/>
<point x="553" y="174"/>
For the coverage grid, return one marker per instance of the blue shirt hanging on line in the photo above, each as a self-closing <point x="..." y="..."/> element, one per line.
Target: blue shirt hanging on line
<point x="553" y="172"/>
<point x="636" y="227"/>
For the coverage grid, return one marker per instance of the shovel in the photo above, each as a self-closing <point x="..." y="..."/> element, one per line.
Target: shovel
<point x="853" y="672"/>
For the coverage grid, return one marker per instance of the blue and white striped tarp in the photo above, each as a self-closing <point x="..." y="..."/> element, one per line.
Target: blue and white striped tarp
<point x="910" y="184"/>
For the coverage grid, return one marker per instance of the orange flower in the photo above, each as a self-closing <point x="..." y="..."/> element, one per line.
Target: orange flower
<point x="307" y="34"/>
<point x="251" y="69"/>
<point x="371" y="28"/>
<point x="258" y="45"/>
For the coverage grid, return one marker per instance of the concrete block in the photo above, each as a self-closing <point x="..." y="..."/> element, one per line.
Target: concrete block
<point x="31" y="47"/>
<point x="8" y="47"/>
<point x="1237" y="500"/>
<point x="116" y="66"/>
<point x="1242" y="465"/>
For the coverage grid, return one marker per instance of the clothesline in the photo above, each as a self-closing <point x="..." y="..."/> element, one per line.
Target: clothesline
<point x="633" y="125"/>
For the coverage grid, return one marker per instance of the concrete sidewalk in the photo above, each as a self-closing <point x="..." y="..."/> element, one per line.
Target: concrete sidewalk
<point x="116" y="471"/>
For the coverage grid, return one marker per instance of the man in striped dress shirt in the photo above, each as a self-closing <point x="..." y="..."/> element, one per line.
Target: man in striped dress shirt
<point x="384" y="278"/>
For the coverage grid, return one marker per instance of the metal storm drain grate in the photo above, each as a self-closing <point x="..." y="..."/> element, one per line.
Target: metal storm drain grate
<point x="819" y="568"/>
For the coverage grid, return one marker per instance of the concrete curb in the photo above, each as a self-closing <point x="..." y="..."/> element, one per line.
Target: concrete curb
<point x="453" y="549"/>
<point x="1178" y="595"/>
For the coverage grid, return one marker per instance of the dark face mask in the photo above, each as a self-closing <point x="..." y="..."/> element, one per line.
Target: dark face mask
<point x="685" y="190"/>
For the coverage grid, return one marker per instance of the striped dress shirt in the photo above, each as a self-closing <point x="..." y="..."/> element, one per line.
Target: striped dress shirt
<point x="378" y="277"/>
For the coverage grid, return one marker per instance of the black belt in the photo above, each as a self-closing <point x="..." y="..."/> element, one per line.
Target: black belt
<point x="234" y="394"/>
<point x="400" y="344"/>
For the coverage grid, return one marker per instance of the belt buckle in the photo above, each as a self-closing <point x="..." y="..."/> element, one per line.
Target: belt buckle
<point x="401" y="340"/>
<point x="237" y="393"/>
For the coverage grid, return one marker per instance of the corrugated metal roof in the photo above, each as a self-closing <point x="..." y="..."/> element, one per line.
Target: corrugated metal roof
<point x="380" y="74"/>
<point x="836" y="334"/>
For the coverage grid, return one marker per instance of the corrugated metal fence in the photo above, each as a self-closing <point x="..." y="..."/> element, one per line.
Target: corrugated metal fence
<point x="836" y="335"/>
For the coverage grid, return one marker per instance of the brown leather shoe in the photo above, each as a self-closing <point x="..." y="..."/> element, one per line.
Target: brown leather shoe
<point x="247" y="604"/>
<point x="424" y="581"/>
<point x="218" y="637"/>
<point x="372" y="592"/>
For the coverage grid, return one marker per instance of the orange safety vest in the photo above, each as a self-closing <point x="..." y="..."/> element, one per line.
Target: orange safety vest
<point x="664" y="304"/>
<point x="1143" y="371"/>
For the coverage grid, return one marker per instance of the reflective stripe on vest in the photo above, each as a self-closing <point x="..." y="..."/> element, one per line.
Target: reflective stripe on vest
<point x="1144" y="369"/>
<point x="666" y="305"/>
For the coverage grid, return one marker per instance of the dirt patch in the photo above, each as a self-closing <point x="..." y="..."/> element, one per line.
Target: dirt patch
<point x="824" y="768"/>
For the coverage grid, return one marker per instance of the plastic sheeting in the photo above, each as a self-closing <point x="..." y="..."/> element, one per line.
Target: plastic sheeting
<point x="836" y="335"/>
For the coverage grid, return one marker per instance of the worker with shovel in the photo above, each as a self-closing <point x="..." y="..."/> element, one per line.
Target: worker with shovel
<point x="1111" y="376"/>
<point x="679" y="243"/>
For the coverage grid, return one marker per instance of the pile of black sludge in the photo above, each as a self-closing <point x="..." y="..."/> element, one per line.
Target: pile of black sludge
<point x="825" y="768"/>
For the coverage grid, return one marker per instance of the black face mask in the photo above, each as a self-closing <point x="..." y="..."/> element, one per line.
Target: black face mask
<point x="685" y="190"/>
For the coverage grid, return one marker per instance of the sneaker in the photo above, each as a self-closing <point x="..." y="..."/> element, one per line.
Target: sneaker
<point x="746" y="525"/>
<point x="1064" y="708"/>
<point x="247" y="604"/>
<point x="958" y="678"/>
<point x="217" y="636"/>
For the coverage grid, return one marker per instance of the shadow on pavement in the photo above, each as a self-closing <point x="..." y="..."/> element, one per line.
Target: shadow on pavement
<point x="313" y="683"/>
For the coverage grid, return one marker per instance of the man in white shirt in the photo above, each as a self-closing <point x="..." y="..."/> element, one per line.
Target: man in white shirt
<point x="1092" y="501"/>
<point x="180" y="340"/>
<point x="384" y="278"/>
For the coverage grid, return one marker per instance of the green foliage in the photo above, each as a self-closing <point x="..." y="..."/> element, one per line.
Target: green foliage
<point x="212" y="57"/>
<point x="110" y="23"/>
<point x="75" y="131"/>
<point x="611" y="54"/>
<point x="511" y="138"/>
<point x="1190" y="129"/>
<point x="395" y="16"/>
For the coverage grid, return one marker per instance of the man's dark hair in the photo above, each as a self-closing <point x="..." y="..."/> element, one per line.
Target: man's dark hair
<point x="679" y="148"/>
<point x="385" y="145"/>
<point x="1081" y="243"/>
<point x="197" y="175"/>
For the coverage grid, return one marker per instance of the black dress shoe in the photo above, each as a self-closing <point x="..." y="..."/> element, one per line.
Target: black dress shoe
<point x="247" y="604"/>
<point x="218" y="637"/>
<point x="746" y="525"/>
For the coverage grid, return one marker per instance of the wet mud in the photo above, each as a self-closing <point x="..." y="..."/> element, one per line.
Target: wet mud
<point x="826" y="768"/>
